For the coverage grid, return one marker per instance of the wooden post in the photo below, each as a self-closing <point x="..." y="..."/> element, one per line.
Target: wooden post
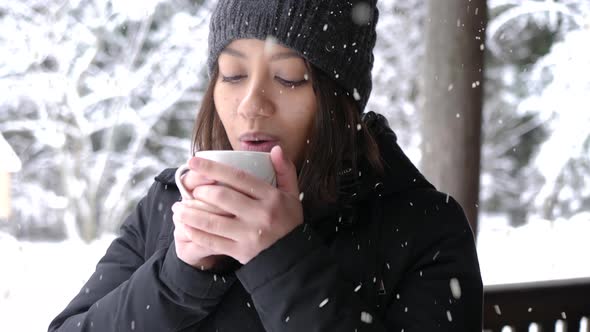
<point x="452" y="111"/>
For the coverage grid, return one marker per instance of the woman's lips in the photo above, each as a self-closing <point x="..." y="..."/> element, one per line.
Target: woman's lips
<point x="260" y="146"/>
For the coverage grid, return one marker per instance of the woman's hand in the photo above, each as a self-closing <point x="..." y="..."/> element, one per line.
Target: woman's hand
<point x="260" y="213"/>
<point x="187" y="250"/>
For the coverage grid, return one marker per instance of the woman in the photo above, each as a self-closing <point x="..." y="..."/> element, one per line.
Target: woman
<point x="353" y="238"/>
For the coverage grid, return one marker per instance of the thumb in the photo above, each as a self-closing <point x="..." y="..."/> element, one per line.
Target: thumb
<point x="285" y="170"/>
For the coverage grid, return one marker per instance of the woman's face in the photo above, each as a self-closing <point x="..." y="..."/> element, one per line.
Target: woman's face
<point x="264" y="97"/>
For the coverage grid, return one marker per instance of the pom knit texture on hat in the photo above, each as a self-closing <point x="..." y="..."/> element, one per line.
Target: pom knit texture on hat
<point x="337" y="36"/>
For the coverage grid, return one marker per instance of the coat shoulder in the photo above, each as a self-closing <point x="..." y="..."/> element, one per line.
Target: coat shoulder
<point x="425" y="209"/>
<point x="427" y="222"/>
<point x="156" y="211"/>
<point x="166" y="176"/>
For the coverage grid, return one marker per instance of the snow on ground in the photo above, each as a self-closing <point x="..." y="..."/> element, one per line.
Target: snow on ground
<point x="539" y="250"/>
<point x="38" y="279"/>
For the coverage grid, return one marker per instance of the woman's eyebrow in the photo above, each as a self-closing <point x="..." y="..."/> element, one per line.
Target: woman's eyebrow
<point x="232" y="52"/>
<point x="274" y="57"/>
<point x="285" y="55"/>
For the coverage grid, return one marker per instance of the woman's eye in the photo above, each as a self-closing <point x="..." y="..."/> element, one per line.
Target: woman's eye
<point x="287" y="83"/>
<point x="291" y="84"/>
<point x="232" y="79"/>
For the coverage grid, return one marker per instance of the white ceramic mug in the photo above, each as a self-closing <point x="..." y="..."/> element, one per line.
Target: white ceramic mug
<point x="258" y="164"/>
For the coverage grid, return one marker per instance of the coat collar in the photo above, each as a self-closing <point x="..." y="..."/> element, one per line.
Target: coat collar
<point x="355" y="188"/>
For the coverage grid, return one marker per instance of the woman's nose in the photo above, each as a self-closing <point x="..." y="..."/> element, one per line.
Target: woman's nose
<point x="256" y="103"/>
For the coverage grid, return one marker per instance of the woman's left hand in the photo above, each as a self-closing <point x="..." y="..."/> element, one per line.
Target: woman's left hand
<point x="262" y="214"/>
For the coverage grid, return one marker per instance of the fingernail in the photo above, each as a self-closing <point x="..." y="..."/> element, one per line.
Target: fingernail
<point x="177" y="206"/>
<point x="194" y="162"/>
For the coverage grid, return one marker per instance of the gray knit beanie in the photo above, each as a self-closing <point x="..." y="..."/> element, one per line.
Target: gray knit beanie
<point x="337" y="36"/>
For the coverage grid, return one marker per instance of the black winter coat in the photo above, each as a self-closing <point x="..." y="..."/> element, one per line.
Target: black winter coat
<point x="398" y="256"/>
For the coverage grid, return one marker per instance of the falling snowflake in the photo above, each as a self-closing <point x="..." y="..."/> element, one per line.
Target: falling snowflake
<point x="435" y="255"/>
<point x="356" y="95"/>
<point x="449" y="317"/>
<point x="497" y="309"/>
<point x="361" y="13"/>
<point x="324" y="302"/>
<point x="358" y="288"/>
<point x="366" y="317"/>
<point x="269" y="43"/>
<point x="455" y="288"/>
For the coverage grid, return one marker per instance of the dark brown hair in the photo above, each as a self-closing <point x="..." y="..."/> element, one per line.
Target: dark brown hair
<point x="337" y="143"/>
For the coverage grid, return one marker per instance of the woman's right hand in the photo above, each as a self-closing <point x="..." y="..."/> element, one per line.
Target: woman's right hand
<point x="189" y="252"/>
